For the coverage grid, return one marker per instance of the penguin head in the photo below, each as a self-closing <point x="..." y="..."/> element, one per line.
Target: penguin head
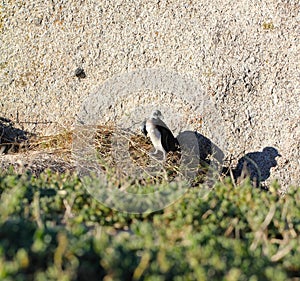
<point x="156" y="114"/>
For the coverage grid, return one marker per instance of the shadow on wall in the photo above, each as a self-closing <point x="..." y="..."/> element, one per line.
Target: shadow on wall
<point x="201" y="158"/>
<point x="198" y="149"/>
<point x="10" y="136"/>
<point x="256" y="165"/>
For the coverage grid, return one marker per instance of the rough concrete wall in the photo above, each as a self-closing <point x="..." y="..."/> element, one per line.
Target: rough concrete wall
<point x="244" y="54"/>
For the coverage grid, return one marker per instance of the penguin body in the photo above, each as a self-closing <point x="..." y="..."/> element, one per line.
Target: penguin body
<point x="160" y="135"/>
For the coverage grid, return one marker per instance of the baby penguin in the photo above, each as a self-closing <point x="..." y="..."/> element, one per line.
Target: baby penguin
<point x="160" y="135"/>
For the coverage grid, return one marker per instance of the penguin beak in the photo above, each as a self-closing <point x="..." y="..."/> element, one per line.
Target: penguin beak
<point x="143" y="128"/>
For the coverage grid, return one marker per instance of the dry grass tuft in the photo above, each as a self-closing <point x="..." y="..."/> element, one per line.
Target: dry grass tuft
<point x="56" y="144"/>
<point x="103" y="140"/>
<point x="126" y="154"/>
<point x="122" y="155"/>
<point x="139" y="147"/>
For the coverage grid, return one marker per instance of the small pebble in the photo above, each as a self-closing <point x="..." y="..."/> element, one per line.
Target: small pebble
<point x="79" y="72"/>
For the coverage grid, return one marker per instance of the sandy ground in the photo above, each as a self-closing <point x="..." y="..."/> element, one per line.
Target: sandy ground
<point x="243" y="54"/>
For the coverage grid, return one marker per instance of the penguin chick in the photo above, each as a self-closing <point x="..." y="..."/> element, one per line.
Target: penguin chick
<point x="160" y="135"/>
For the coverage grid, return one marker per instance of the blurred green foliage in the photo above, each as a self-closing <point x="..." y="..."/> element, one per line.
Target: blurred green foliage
<point x="52" y="229"/>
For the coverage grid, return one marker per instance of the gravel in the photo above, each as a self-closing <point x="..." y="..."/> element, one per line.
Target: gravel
<point x="245" y="55"/>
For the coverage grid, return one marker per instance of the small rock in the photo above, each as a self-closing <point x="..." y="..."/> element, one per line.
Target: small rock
<point x="38" y="21"/>
<point x="79" y="72"/>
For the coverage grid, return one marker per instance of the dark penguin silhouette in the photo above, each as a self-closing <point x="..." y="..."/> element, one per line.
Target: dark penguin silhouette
<point x="160" y="135"/>
<point x="257" y="165"/>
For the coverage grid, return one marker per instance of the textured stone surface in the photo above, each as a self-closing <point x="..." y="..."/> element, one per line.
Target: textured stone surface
<point x="244" y="55"/>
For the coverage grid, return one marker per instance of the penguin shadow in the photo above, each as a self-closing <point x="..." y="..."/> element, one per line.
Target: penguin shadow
<point x="11" y="138"/>
<point x="256" y="166"/>
<point x="201" y="158"/>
